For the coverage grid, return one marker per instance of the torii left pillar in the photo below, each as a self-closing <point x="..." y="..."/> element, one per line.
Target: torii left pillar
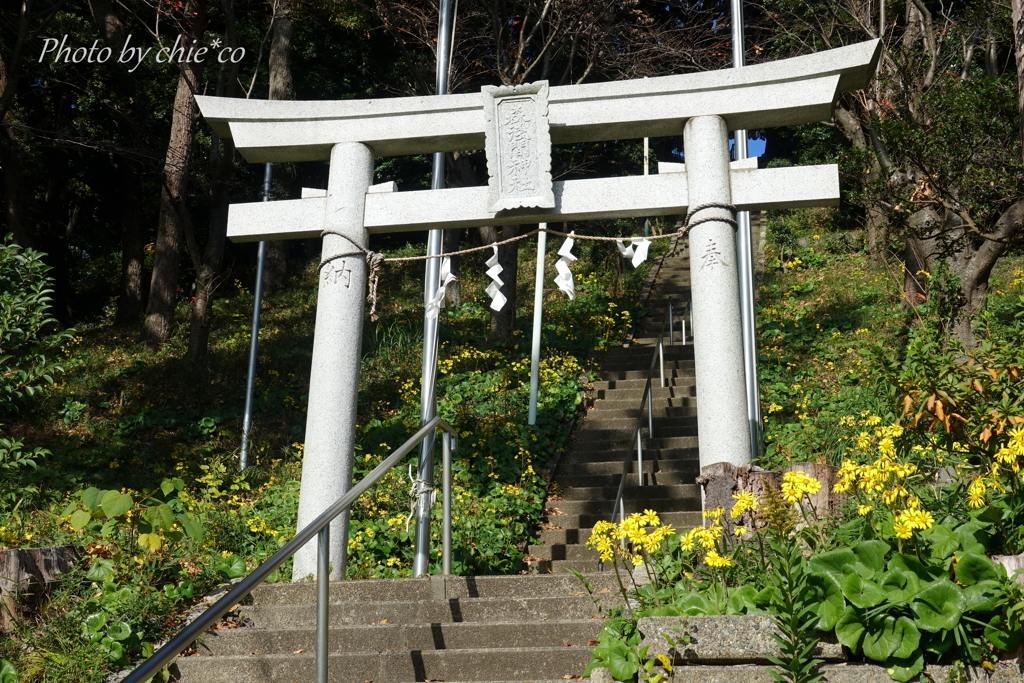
<point x="334" y="375"/>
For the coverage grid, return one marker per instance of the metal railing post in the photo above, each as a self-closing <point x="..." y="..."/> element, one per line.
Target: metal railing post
<point x="671" y="326"/>
<point x="446" y="524"/>
<point x="323" y="601"/>
<point x="650" y="411"/>
<point x="683" y="321"/>
<point x="661" y="359"/>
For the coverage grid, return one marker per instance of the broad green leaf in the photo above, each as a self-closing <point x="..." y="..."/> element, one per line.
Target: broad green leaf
<point x="972" y="568"/>
<point x="943" y="539"/>
<point x="910" y="638"/>
<point x="91" y="497"/>
<point x="119" y="631"/>
<point x="926" y="573"/>
<point x="1003" y="638"/>
<point x="850" y="630"/>
<point x="880" y="638"/>
<point x="742" y="600"/>
<point x="192" y="526"/>
<point x="871" y="555"/>
<point x="95" y="623"/>
<point x="152" y="542"/>
<point x="232" y="566"/>
<point x="766" y="597"/>
<point x="899" y="585"/>
<point x="974" y="536"/>
<point x="623" y="666"/>
<point x="79" y="519"/>
<point x="983" y="596"/>
<point x="662" y="611"/>
<point x="8" y="674"/>
<point x="161" y="516"/>
<point x="829" y="604"/>
<point x="115" y="504"/>
<point x="694" y="603"/>
<point x="115" y="650"/>
<point x="166" y="486"/>
<point x="862" y="592"/>
<point x="833" y="562"/>
<point x="939" y="606"/>
<point x="101" y="570"/>
<point x="905" y="668"/>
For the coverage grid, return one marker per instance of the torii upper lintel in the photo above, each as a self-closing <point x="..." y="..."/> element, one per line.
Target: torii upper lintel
<point x="785" y="92"/>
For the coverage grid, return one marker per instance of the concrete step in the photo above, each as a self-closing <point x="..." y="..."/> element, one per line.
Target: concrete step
<point x="556" y="567"/>
<point x="574" y="552"/>
<point x="604" y="508"/>
<point x="393" y="637"/>
<point x="595" y="445"/>
<point x="424" y="611"/>
<point x="432" y="588"/>
<point x="658" y="478"/>
<point x="672" y="395"/>
<point x="613" y="468"/>
<point x="670" y="373"/>
<point x="643" y="364"/>
<point x="621" y="409"/>
<point x="517" y="664"/>
<point x="682" y="383"/>
<point x="663" y="426"/>
<point x="608" y="493"/>
<point x="682" y="519"/>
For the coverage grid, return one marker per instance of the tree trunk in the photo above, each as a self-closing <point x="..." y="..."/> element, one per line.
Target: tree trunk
<point x="26" y="577"/>
<point x="276" y="268"/>
<point x="1018" y="47"/>
<point x="503" y="322"/>
<point x="10" y="160"/>
<point x="877" y="227"/>
<point x="129" y="303"/>
<point x="222" y="163"/>
<point x="163" y="287"/>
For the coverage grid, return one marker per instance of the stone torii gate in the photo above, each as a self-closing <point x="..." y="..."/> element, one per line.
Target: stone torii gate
<point x="517" y="126"/>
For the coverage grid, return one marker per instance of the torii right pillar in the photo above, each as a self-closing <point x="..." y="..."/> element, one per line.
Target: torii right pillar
<point x="722" y="429"/>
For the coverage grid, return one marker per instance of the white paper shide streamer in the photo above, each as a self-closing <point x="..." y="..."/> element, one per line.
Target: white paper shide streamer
<point x="446" y="278"/>
<point x="564" y="277"/>
<point x="637" y="249"/>
<point x="494" y="289"/>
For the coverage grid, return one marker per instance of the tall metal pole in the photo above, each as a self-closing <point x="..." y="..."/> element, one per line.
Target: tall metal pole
<point x="647" y="168"/>
<point x="744" y="257"/>
<point x="538" y="312"/>
<point x="428" y="377"/>
<point x="261" y="259"/>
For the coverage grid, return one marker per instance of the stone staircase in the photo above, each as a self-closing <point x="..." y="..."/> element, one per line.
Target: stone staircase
<point x="484" y="628"/>
<point x="494" y="628"/>
<point x="588" y="475"/>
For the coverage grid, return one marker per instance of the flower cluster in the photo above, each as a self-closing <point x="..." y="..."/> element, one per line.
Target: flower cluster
<point x="797" y="484"/>
<point x="633" y="529"/>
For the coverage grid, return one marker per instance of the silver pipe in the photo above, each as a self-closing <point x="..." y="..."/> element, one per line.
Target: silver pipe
<point x="428" y="376"/>
<point x="671" y="326"/>
<point x="446" y="524"/>
<point x="323" y="601"/>
<point x="682" y="319"/>
<point x="661" y="358"/>
<point x="650" y="411"/>
<point x="254" y="337"/>
<point x="538" y="312"/>
<point x="744" y="260"/>
<point x="639" y="458"/>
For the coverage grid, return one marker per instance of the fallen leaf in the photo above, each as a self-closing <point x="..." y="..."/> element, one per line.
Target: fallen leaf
<point x="294" y="652"/>
<point x="592" y="643"/>
<point x="384" y="621"/>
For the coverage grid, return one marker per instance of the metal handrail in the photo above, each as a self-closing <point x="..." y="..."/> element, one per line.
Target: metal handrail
<point x="318" y="527"/>
<point x="618" y="509"/>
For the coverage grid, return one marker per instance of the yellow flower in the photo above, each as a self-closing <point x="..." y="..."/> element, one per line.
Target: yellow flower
<point x="739" y="530"/>
<point x="714" y="513"/>
<point x="863" y="509"/>
<point x="713" y="559"/>
<point x="745" y="500"/>
<point x="903" y="530"/>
